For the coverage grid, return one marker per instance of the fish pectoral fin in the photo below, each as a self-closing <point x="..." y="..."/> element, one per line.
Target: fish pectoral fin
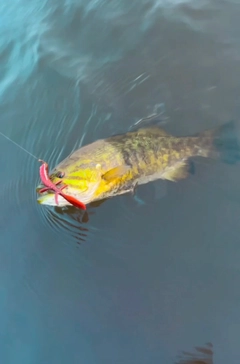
<point x="180" y="171"/>
<point x="115" y="173"/>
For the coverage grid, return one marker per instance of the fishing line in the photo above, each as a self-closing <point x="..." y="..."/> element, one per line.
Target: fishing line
<point x="18" y="146"/>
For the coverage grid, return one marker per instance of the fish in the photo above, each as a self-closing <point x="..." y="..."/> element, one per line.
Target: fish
<point x="120" y="163"/>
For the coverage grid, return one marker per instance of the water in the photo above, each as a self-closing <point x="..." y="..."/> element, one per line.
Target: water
<point x="141" y="280"/>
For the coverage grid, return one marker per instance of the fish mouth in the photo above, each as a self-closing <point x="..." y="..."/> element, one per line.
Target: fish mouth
<point x="48" y="197"/>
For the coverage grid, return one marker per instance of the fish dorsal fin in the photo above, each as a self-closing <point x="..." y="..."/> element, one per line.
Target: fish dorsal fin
<point x="153" y="130"/>
<point x="179" y="171"/>
<point x="114" y="173"/>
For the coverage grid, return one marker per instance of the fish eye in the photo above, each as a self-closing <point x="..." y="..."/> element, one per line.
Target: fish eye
<point x="60" y="174"/>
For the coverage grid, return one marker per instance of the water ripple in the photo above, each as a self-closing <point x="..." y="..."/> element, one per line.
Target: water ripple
<point x="69" y="223"/>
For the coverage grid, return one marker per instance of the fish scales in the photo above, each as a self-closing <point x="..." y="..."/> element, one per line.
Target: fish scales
<point x="149" y="152"/>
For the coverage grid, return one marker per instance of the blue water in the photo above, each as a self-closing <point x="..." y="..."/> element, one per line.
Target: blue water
<point x="139" y="280"/>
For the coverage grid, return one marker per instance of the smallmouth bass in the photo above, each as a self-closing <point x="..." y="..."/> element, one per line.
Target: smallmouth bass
<point x="116" y="165"/>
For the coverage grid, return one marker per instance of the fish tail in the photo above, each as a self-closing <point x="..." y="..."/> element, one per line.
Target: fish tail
<point x="222" y="142"/>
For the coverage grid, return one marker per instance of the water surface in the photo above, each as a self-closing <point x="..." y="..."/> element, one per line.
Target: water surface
<point x="141" y="280"/>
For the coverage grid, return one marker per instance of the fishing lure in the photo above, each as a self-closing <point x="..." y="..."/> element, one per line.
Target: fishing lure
<point x="43" y="171"/>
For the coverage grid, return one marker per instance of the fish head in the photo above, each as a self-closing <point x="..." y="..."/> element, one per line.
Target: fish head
<point x="75" y="180"/>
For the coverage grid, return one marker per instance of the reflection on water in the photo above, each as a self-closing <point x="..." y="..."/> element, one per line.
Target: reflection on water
<point x="136" y="279"/>
<point x="70" y="222"/>
<point x="202" y="355"/>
